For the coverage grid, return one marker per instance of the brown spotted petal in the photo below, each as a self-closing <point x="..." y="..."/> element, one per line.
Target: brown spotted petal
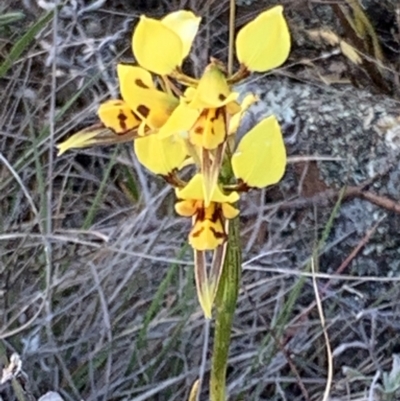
<point x="153" y="106"/>
<point x="118" y="124"/>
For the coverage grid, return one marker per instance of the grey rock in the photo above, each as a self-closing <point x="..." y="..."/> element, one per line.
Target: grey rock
<point x="361" y="131"/>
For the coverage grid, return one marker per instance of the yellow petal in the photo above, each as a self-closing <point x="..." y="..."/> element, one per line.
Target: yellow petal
<point x="215" y="130"/>
<point x="194" y="190"/>
<point x="189" y="93"/>
<point x="229" y="211"/>
<point x="207" y="235"/>
<point x="260" y="158"/>
<point x="180" y="122"/>
<point x="160" y="156"/>
<point x="118" y="116"/>
<point x="148" y="103"/>
<point x="156" y="47"/>
<point x="209" y="130"/>
<point x="135" y="76"/>
<point x="208" y="229"/>
<point x="232" y="108"/>
<point x="235" y="120"/>
<point x="187" y="208"/>
<point x="185" y="24"/>
<point x="197" y="131"/>
<point x="220" y="197"/>
<point x="213" y="90"/>
<point x="264" y="43"/>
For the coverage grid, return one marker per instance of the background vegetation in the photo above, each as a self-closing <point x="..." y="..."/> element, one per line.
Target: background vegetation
<point x="96" y="282"/>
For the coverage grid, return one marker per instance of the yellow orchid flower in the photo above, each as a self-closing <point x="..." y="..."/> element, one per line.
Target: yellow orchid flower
<point x="264" y="43"/>
<point x="171" y="132"/>
<point x="160" y="46"/>
<point x="143" y="109"/>
<point x="260" y="157"/>
<point x="201" y="111"/>
<point x="208" y="229"/>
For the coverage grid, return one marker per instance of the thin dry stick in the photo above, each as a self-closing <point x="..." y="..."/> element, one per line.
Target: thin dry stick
<point x="381" y="201"/>
<point x="232" y="14"/>
<point x="324" y="197"/>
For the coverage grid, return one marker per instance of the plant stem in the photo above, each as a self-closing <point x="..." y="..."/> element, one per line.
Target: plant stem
<point x="225" y="306"/>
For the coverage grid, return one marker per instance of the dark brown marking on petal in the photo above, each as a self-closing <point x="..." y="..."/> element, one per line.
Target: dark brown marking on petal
<point x="198" y="232"/>
<point x="212" y="119"/>
<point x="199" y="130"/>
<point x="217" y="114"/>
<point x="201" y="214"/>
<point x="143" y="110"/>
<point x="220" y="111"/>
<point x="218" y="234"/>
<point x="217" y="214"/>
<point x="141" y="84"/>
<point x="122" y="120"/>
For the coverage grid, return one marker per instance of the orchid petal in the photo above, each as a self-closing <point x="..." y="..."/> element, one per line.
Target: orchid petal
<point x="264" y="43"/>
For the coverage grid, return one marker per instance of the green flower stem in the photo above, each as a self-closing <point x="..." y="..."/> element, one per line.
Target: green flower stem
<point x="225" y="306"/>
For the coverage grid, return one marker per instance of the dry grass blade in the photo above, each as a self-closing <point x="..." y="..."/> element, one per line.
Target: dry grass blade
<point x="326" y="336"/>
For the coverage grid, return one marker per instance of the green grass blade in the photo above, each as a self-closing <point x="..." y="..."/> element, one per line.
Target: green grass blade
<point x="10" y="18"/>
<point x="97" y="199"/>
<point x="39" y="170"/>
<point x="23" y="43"/>
<point x="131" y="184"/>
